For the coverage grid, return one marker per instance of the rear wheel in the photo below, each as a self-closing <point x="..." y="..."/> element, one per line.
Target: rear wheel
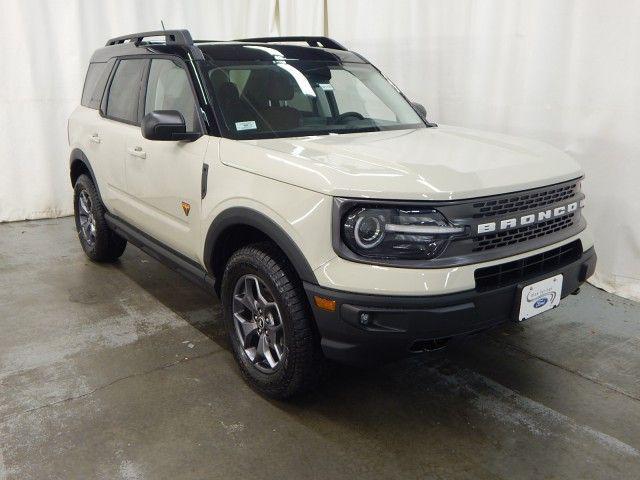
<point x="269" y="322"/>
<point x="98" y="241"/>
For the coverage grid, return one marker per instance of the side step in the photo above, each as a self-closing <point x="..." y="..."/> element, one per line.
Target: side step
<point x="166" y="255"/>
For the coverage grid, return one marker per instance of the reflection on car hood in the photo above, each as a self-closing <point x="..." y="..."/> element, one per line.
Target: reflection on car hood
<point x="442" y="163"/>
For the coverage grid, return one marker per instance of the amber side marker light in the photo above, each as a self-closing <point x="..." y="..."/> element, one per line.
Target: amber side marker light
<point x="325" y="303"/>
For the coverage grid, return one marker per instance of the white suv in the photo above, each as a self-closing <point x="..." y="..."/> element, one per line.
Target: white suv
<point x="332" y="219"/>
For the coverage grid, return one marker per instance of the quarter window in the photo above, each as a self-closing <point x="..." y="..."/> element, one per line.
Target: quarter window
<point x="92" y="93"/>
<point x="168" y="88"/>
<point x="122" y="103"/>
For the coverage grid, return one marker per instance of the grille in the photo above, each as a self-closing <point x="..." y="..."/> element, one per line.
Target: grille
<point x="518" y="270"/>
<point x="529" y="201"/>
<point x="522" y="234"/>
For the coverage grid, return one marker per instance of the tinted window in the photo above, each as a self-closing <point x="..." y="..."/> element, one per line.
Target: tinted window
<point x="93" y="75"/>
<point x="124" y="92"/>
<point x="94" y="83"/>
<point x="168" y="88"/>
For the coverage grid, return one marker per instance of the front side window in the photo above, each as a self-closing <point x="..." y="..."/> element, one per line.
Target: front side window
<point x="124" y="92"/>
<point x="168" y="88"/>
<point x="296" y="98"/>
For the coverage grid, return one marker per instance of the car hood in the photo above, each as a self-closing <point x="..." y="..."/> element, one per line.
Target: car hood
<point x="443" y="163"/>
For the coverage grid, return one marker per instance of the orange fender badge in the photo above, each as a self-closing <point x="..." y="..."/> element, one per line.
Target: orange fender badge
<point x="186" y="207"/>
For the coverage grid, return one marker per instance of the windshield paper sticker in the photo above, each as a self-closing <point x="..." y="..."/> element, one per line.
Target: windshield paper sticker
<point x="327" y="87"/>
<point x="249" y="125"/>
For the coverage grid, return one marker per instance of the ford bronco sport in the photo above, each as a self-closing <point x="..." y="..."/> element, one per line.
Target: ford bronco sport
<point x="333" y="220"/>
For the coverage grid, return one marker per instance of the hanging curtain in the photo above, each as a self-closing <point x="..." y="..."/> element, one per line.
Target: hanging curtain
<point x="46" y="46"/>
<point x="562" y="72"/>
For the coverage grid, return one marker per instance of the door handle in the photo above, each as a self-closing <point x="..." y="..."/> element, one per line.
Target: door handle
<point x="137" y="152"/>
<point x="95" y="138"/>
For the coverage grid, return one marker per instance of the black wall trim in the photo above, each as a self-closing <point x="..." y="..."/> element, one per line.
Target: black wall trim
<point x="236" y="216"/>
<point x="164" y="254"/>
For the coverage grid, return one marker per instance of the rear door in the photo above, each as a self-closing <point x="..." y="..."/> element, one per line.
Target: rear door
<point x="164" y="177"/>
<point x="85" y="126"/>
<point x="120" y="119"/>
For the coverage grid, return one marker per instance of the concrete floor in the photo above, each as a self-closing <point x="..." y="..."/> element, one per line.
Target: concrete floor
<point x="122" y="371"/>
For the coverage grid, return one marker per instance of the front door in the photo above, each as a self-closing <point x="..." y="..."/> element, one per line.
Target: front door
<point x="164" y="177"/>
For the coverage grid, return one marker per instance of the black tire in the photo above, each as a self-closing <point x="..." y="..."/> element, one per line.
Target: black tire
<point x="103" y="244"/>
<point x="302" y="365"/>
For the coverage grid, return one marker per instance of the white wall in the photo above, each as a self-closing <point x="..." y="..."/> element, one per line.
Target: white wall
<point x="565" y="72"/>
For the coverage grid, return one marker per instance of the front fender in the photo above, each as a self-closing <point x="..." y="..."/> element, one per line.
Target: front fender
<point x="236" y="216"/>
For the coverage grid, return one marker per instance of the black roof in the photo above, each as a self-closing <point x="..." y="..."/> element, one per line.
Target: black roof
<point x="255" y="51"/>
<point x="179" y="42"/>
<point x="127" y="49"/>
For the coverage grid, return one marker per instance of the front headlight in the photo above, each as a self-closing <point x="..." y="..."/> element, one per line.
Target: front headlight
<point x="397" y="233"/>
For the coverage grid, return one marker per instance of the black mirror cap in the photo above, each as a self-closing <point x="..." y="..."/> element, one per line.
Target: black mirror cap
<point x="418" y="107"/>
<point x="166" y="125"/>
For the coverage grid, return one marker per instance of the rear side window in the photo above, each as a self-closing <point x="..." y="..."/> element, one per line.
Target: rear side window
<point x="94" y="83"/>
<point x="124" y="92"/>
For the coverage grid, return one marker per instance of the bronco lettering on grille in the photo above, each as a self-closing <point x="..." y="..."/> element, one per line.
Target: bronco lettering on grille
<point x="529" y="219"/>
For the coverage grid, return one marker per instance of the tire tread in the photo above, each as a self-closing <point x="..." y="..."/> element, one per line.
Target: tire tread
<point x="305" y="362"/>
<point x="109" y="246"/>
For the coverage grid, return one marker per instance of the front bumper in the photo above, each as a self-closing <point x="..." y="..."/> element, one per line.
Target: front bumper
<point x="400" y="325"/>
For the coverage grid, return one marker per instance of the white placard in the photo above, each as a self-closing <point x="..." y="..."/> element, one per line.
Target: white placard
<point x="540" y="297"/>
<point x="248" y="125"/>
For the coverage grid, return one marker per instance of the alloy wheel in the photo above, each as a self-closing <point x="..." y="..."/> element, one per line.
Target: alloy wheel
<point x="258" y="323"/>
<point x="87" y="220"/>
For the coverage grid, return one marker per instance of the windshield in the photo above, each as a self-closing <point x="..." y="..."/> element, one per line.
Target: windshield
<point x="296" y="98"/>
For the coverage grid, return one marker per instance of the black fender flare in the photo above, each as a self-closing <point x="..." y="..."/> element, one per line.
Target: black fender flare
<point x="78" y="155"/>
<point x="242" y="216"/>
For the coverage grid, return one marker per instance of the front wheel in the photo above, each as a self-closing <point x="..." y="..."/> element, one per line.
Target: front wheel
<point x="269" y="322"/>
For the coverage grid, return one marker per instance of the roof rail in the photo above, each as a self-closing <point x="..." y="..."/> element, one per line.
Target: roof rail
<point x="175" y="37"/>
<point x="324" y="42"/>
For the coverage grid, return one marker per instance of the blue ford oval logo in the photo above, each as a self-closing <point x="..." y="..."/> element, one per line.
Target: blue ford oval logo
<point x="541" y="302"/>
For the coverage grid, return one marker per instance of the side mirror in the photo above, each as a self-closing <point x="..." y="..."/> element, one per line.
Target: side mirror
<point x="420" y="109"/>
<point x="166" y="125"/>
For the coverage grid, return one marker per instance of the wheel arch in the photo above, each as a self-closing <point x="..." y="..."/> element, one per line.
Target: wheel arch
<point x="240" y="226"/>
<point x="79" y="164"/>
